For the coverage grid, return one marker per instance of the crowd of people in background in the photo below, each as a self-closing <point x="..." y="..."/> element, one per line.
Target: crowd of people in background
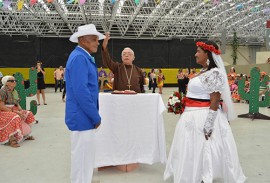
<point x="155" y="78"/>
<point x="233" y="79"/>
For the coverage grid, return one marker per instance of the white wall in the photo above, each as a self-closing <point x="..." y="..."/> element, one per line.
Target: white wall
<point x="244" y="57"/>
<point x="261" y="57"/>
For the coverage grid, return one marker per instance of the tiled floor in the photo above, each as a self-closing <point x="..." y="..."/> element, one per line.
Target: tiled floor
<point x="47" y="159"/>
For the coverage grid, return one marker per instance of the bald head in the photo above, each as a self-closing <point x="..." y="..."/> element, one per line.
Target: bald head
<point x="128" y="56"/>
<point x="128" y="50"/>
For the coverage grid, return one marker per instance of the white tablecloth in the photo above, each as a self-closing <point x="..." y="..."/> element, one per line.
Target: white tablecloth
<point x="131" y="131"/>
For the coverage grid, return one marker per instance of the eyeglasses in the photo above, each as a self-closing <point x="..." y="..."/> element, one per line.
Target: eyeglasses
<point x="12" y="81"/>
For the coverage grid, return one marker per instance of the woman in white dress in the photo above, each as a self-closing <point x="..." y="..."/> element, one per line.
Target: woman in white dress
<point x="203" y="148"/>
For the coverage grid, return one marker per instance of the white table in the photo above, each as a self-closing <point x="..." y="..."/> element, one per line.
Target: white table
<point x="131" y="131"/>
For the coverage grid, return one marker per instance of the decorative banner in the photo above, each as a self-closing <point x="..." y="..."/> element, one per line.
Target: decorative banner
<point x="216" y="2"/>
<point x="76" y="1"/>
<point x="239" y="7"/>
<point x="6" y="4"/>
<point x="70" y="1"/>
<point x="157" y="1"/>
<point x="137" y="2"/>
<point x="113" y="1"/>
<point x="255" y="9"/>
<point x="32" y="2"/>
<point x="49" y="1"/>
<point x="81" y="2"/>
<point x="20" y="4"/>
<point x="1" y="3"/>
<point x="266" y="11"/>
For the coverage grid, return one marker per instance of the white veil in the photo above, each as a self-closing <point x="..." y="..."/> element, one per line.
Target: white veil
<point x="226" y="94"/>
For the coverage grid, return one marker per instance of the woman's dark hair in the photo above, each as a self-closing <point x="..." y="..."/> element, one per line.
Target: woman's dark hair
<point x="209" y="54"/>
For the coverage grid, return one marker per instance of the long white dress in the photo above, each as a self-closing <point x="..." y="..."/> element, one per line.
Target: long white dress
<point x="193" y="159"/>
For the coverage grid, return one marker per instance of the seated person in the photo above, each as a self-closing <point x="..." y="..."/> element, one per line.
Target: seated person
<point x="235" y="96"/>
<point x="102" y="78"/>
<point x="14" y="122"/>
<point x="234" y="86"/>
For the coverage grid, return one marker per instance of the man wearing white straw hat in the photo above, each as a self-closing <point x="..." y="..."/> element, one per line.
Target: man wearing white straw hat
<point x="82" y="116"/>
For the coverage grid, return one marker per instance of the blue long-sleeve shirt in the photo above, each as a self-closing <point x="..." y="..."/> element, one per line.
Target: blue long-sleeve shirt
<point x="82" y="91"/>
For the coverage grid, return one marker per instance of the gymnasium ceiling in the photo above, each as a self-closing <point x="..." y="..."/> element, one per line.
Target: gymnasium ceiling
<point x="143" y="19"/>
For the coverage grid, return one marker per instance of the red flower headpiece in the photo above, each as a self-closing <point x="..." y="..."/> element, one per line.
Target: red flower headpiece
<point x="208" y="47"/>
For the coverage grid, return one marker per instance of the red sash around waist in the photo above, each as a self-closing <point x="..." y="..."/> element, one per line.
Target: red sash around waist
<point x="190" y="102"/>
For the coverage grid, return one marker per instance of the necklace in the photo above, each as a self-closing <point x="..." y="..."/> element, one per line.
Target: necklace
<point x="129" y="78"/>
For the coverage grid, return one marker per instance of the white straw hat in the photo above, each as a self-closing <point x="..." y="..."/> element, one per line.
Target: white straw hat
<point x="84" y="30"/>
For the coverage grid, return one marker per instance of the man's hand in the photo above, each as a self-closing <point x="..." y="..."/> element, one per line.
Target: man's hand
<point x="97" y="125"/>
<point x="106" y="40"/>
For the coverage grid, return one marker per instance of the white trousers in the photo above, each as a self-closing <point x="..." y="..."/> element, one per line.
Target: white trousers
<point x="82" y="156"/>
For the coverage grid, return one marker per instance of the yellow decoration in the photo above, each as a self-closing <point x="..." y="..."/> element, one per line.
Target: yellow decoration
<point x="20" y="4"/>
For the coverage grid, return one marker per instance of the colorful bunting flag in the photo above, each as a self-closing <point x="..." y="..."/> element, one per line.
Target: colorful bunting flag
<point x="239" y="7"/>
<point x="6" y="4"/>
<point x="32" y="2"/>
<point x="216" y="2"/>
<point x="82" y="2"/>
<point x="266" y="11"/>
<point x="137" y="2"/>
<point x="113" y="1"/>
<point x="146" y="1"/>
<point x="49" y="1"/>
<point x="70" y="1"/>
<point x="1" y="3"/>
<point x="20" y="4"/>
<point x="157" y="1"/>
<point x="255" y="9"/>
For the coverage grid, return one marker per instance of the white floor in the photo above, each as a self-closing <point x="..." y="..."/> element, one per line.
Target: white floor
<point x="47" y="159"/>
